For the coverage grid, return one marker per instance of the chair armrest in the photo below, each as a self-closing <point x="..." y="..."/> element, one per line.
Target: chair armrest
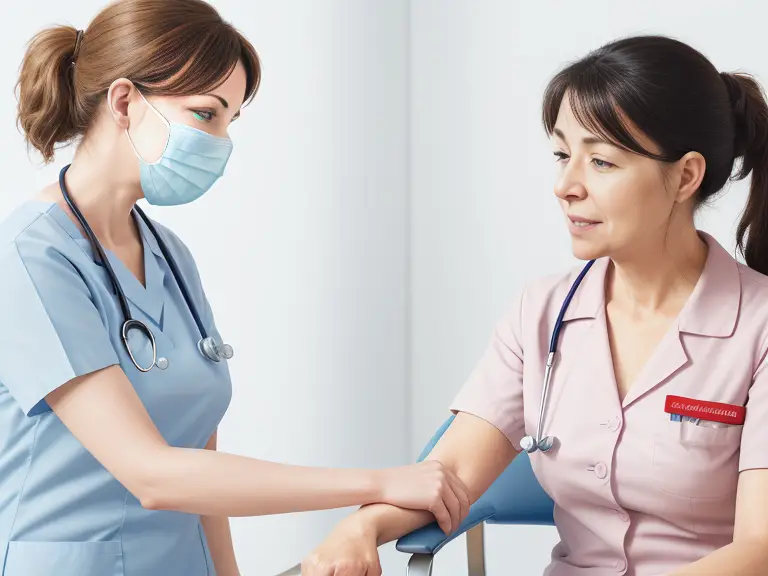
<point x="430" y="539"/>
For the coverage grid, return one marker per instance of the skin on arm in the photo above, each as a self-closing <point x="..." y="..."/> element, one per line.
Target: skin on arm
<point x="219" y="536"/>
<point x="103" y="411"/>
<point x="476" y="451"/>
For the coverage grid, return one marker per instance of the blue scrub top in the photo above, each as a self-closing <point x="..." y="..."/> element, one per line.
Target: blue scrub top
<point x="61" y="512"/>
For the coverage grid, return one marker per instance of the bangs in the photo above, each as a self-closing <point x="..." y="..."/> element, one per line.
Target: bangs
<point x="592" y="101"/>
<point x="190" y="63"/>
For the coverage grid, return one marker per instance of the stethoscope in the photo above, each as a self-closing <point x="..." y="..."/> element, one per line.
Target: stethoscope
<point x="207" y="344"/>
<point x="529" y="443"/>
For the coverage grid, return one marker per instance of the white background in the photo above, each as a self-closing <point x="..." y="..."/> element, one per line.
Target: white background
<point x="389" y="190"/>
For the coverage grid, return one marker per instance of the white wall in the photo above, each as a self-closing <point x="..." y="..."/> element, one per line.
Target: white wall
<point x="302" y="246"/>
<point x="483" y="216"/>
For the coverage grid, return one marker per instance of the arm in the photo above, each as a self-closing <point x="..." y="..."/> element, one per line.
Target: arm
<point x="478" y="446"/>
<point x="747" y="555"/>
<point x="103" y="411"/>
<point x="473" y="449"/>
<point x="219" y="536"/>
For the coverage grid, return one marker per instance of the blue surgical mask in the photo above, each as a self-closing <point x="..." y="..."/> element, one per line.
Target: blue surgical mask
<point x="191" y="162"/>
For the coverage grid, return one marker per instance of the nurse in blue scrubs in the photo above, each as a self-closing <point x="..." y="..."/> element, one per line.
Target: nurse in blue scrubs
<point x="113" y="375"/>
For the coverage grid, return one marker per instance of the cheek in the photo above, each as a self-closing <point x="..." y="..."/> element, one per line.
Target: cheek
<point x="633" y="201"/>
<point x="150" y="137"/>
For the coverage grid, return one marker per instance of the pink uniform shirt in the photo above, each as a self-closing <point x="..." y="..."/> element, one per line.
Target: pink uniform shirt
<point x="634" y="492"/>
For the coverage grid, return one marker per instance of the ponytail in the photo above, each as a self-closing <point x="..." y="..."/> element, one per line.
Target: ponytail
<point x="47" y="108"/>
<point x="750" y="113"/>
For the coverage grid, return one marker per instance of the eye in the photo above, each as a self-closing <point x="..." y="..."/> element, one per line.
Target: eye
<point x="561" y="156"/>
<point x="204" y="115"/>
<point x="602" y="164"/>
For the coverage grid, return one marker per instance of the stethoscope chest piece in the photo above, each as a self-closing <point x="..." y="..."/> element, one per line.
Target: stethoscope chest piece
<point x="213" y="351"/>
<point x="531" y="445"/>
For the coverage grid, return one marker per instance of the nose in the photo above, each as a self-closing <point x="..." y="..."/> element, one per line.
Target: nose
<point x="570" y="185"/>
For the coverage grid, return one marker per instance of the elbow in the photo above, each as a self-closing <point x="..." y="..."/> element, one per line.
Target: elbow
<point x="150" y="483"/>
<point x="152" y="500"/>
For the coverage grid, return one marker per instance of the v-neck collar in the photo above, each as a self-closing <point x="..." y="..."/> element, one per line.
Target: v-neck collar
<point x="711" y="310"/>
<point x="149" y="298"/>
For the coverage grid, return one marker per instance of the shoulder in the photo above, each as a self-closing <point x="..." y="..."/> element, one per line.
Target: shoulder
<point x="753" y="283"/>
<point x="30" y="233"/>
<point x="548" y="291"/>
<point x="753" y="307"/>
<point x="754" y="296"/>
<point x="540" y="298"/>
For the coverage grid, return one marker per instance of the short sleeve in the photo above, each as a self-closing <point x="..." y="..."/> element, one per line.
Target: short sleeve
<point x="494" y="390"/>
<point x="754" y="434"/>
<point x="51" y="330"/>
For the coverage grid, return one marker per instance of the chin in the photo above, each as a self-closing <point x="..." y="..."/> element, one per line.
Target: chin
<point x="586" y="250"/>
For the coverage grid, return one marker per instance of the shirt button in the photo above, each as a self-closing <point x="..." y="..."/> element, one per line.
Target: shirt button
<point x="615" y="424"/>
<point x="601" y="470"/>
<point x="621" y="565"/>
<point x="623" y="516"/>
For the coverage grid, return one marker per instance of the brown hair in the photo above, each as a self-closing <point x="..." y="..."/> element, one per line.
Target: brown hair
<point x="165" y="47"/>
<point x="676" y="97"/>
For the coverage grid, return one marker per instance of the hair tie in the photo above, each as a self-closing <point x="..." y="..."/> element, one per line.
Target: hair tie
<point x="78" y="42"/>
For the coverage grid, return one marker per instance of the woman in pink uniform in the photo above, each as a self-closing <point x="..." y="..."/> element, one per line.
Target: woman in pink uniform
<point x="657" y="470"/>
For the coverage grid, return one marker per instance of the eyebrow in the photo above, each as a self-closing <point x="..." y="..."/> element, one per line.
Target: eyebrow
<point x="585" y="140"/>
<point x="220" y="99"/>
<point x="223" y="103"/>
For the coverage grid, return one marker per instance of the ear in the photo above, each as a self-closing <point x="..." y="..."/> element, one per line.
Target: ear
<point x="692" y="167"/>
<point x="119" y="95"/>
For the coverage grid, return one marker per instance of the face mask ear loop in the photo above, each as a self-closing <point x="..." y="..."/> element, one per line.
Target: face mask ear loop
<point x="130" y="140"/>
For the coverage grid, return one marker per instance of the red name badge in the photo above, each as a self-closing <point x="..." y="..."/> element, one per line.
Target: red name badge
<point x="712" y="411"/>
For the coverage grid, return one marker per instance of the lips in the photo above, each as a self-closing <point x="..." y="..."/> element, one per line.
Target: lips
<point x="580" y="220"/>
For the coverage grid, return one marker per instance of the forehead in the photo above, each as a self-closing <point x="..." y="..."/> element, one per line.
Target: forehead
<point x="232" y="89"/>
<point x="574" y="131"/>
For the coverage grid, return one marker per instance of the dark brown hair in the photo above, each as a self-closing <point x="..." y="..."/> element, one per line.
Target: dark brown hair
<point x="165" y="47"/>
<point x="675" y="96"/>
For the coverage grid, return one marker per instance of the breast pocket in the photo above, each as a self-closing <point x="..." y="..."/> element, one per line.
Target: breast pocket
<point x="696" y="461"/>
<point x="64" y="559"/>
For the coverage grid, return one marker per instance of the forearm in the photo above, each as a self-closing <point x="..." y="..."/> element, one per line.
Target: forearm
<point x="213" y="483"/>
<point x="458" y="450"/>
<point x="741" y="558"/>
<point x="390" y="522"/>
<point x="219" y="538"/>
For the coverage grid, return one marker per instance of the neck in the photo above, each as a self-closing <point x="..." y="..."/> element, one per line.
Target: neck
<point x="101" y="194"/>
<point x="658" y="277"/>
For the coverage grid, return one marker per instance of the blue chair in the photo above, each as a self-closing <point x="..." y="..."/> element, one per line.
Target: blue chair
<point x="514" y="498"/>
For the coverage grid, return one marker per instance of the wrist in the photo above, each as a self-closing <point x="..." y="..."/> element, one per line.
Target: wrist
<point x="360" y="524"/>
<point x="376" y="486"/>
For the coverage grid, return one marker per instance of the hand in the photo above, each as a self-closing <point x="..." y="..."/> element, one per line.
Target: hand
<point x="429" y="486"/>
<point x="350" y="550"/>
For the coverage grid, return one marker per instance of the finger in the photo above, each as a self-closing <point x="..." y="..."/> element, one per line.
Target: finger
<point x="462" y="494"/>
<point x="440" y="512"/>
<point x="452" y="503"/>
<point x="374" y="569"/>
